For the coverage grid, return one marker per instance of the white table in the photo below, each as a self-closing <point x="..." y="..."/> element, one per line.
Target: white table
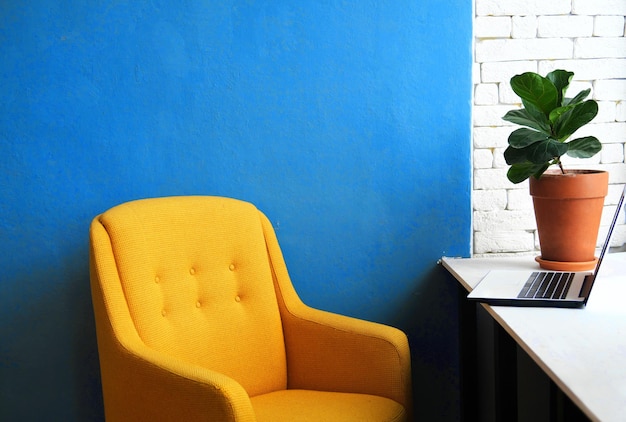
<point x="583" y="351"/>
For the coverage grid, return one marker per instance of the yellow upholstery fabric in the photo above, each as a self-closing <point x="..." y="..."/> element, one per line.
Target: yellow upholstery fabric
<point x="316" y="406"/>
<point x="197" y="320"/>
<point x="191" y="286"/>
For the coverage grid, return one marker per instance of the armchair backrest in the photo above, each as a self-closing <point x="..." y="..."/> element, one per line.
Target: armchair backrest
<point x="197" y="283"/>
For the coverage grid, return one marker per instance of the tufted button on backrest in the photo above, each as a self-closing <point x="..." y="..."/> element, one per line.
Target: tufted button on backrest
<point x="198" y="283"/>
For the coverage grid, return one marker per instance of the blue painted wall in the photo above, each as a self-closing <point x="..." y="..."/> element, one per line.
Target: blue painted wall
<point x="347" y="122"/>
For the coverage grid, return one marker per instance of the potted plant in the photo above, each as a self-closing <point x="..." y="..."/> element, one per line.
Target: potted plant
<point x="568" y="203"/>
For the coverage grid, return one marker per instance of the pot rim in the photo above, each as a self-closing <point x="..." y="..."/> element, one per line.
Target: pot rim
<point x="576" y="184"/>
<point x="570" y="172"/>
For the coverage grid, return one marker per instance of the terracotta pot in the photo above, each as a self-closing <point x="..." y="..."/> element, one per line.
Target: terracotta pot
<point x="568" y="208"/>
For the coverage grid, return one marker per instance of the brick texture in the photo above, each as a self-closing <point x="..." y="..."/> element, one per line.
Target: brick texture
<point x="516" y="36"/>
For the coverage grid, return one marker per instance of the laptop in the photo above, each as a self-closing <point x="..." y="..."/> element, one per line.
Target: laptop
<point x="555" y="289"/>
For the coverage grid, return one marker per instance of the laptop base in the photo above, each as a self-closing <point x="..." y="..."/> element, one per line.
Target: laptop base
<point x="534" y="303"/>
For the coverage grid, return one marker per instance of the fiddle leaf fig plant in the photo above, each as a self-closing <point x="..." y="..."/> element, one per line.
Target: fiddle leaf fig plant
<point x="549" y="119"/>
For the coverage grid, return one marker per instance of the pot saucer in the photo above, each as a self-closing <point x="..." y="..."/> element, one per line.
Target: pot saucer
<point x="566" y="266"/>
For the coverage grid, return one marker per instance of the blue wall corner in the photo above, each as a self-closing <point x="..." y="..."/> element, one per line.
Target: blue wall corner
<point x="348" y="124"/>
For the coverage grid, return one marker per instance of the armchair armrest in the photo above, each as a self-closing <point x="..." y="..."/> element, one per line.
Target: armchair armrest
<point x="332" y="352"/>
<point x="143" y="384"/>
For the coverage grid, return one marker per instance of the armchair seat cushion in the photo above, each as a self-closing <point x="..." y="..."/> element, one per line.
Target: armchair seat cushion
<point x="322" y="406"/>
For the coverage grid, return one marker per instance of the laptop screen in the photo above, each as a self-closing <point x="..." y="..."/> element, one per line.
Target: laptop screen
<point x="607" y="242"/>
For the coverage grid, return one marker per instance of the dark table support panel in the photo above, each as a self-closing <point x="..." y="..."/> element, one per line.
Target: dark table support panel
<point x="505" y="354"/>
<point x="468" y="357"/>
<point x="562" y="409"/>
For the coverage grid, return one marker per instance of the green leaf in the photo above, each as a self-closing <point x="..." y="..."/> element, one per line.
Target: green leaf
<point x="578" y="98"/>
<point x="539" y="117"/>
<point x="558" y="112"/>
<point x="584" y="147"/>
<point x="539" y="152"/>
<point x="519" y="172"/>
<point x="542" y="152"/>
<point x="523" y="137"/>
<point x="524" y="118"/>
<point x="515" y="155"/>
<point x="573" y="119"/>
<point x="541" y="170"/>
<point x="536" y="90"/>
<point x="561" y="80"/>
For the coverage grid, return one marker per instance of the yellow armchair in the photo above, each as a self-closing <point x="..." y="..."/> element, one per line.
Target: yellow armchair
<point x="197" y="320"/>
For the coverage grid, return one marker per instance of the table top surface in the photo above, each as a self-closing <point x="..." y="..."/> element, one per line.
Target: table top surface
<point x="582" y="350"/>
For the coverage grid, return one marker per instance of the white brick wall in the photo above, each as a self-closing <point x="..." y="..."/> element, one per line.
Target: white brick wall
<point x="586" y="37"/>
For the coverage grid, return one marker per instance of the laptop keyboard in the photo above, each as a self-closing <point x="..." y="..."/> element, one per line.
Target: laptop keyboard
<point x="547" y="285"/>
